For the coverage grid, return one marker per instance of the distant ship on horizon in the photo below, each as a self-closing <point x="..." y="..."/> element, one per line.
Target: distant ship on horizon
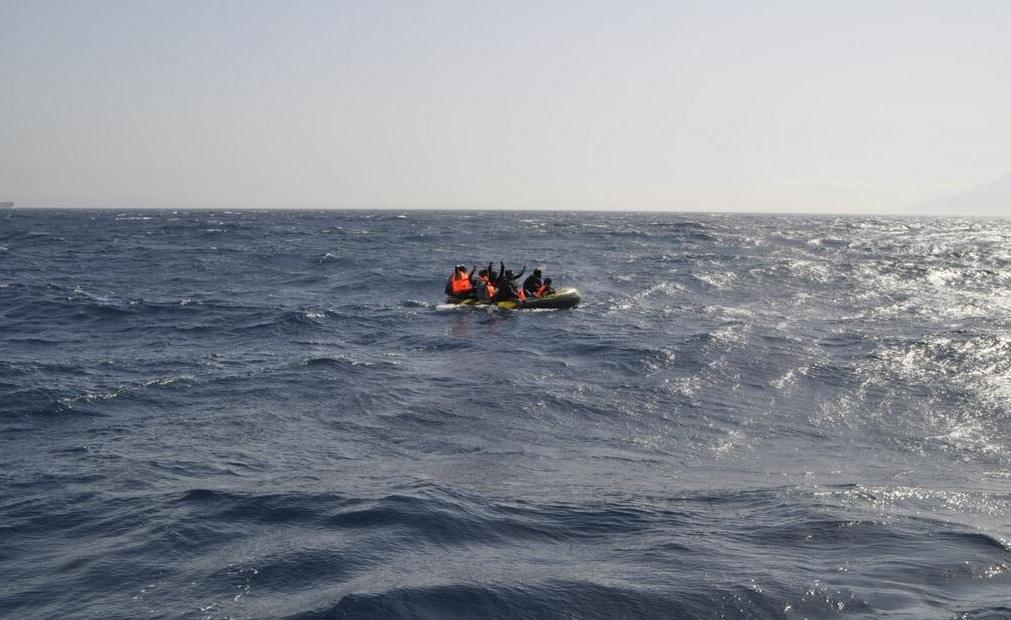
<point x="6" y="205"/>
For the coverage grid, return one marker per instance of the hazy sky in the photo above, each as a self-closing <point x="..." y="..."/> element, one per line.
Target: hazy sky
<point x="764" y="105"/>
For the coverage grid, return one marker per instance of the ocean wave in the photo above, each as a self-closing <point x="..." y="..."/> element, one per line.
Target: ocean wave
<point x="747" y="417"/>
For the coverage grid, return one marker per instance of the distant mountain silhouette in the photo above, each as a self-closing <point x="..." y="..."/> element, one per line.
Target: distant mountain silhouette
<point x="993" y="199"/>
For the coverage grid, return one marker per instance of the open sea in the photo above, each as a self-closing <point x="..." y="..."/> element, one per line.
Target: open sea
<point x="274" y="415"/>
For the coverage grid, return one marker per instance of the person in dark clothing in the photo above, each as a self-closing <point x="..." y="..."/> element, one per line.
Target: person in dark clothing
<point x="484" y="290"/>
<point x="533" y="283"/>
<point x="493" y="275"/>
<point x="545" y="289"/>
<point x="505" y="288"/>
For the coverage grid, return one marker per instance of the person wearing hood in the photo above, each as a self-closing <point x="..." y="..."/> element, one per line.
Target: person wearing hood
<point x="459" y="284"/>
<point x="506" y="288"/>
<point x="484" y="288"/>
<point x="533" y="283"/>
<point x="545" y="289"/>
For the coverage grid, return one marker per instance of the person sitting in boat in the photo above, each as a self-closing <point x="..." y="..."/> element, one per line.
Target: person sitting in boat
<point x="484" y="290"/>
<point x="459" y="284"/>
<point x="506" y="288"/>
<point x="544" y="289"/>
<point x="532" y="283"/>
<point x="493" y="275"/>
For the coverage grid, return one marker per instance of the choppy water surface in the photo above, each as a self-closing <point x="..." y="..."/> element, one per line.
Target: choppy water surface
<point x="273" y="415"/>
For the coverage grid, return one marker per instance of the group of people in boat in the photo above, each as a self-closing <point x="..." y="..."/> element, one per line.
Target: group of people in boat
<point x="490" y="285"/>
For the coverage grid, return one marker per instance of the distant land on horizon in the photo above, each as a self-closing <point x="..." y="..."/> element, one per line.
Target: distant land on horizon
<point x="988" y="199"/>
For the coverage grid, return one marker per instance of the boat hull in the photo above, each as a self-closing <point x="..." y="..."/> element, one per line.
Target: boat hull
<point x="563" y="298"/>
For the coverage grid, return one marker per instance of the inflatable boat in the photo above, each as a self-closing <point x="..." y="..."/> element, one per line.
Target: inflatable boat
<point x="567" y="297"/>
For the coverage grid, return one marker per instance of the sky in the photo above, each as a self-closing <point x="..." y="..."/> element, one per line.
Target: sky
<point x="711" y="105"/>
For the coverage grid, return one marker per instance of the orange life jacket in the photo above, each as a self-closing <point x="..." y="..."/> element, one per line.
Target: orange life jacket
<point x="461" y="283"/>
<point x="541" y="292"/>
<point x="522" y="294"/>
<point x="491" y="287"/>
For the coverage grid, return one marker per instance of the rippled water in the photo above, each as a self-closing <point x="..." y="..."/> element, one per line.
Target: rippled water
<point x="274" y="415"/>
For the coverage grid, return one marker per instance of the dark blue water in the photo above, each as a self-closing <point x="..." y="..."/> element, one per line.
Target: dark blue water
<point x="273" y="415"/>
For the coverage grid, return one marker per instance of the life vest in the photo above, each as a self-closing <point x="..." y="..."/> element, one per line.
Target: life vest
<point x="522" y="294"/>
<point x="541" y="292"/>
<point x="491" y="287"/>
<point x="461" y="283"/>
